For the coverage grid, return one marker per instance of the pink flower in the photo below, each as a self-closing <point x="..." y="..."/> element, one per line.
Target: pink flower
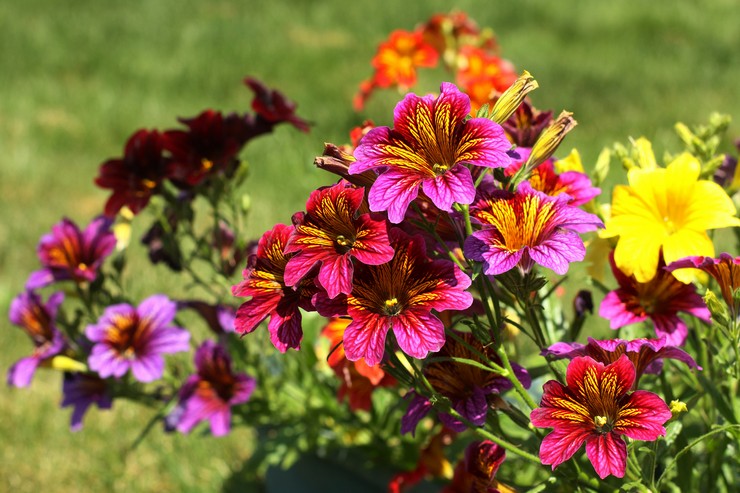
<point x="331" y="234"/>
<point x="270" y="297"/>
<point x="429" y="147"/>
<point x="659" y="299"/>
<point x="401" y="295"/>
<point x="527" y="227"/>
<point x="595" y="408"/>
<point x="725" y="270"/>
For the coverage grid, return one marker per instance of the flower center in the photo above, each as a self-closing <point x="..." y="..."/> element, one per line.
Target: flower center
<point x="392" y="307"/>
<point x="343" y="244"/>
<point x="439" y="169"/>
<point x="603" y="425"/>
<point x="206" y="164"/>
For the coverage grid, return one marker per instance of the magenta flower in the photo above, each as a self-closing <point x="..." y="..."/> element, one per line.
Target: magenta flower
<point x="645" y="354"/>
<point x="270" y="297"/>
<point x="659" y="299"/>
<point x="132" y="338"/>
<point x="429" y="147"/>
<point x="725" y="270"/>
<point x="401" y="295"/>
<point x="527" y="227"/>
<point x="29" y="312"/>
<point x="331" y="233"/>
<point x="70" y="254"/>
<point x="211" y="392"/>
<point x="81" y="390"/>
<point x="595" y="408"/>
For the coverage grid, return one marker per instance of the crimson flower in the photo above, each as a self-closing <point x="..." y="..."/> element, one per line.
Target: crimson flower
<point x="331" y="233"/>
<point x="429" y="147"/>
<point x="70" y="254"/>
<point x="660" y="299"/>
<point x="526" y="124"/>
<point x="725" y="270"/>
<point x="476" y="472"/>
<point x="400" y="295"/>
<point x="645" y="354"/>
<point x="270" y="297"/>
<point x="595" y="408"/>
<point x="272" y="107"/>
<point x="135" y="177"/>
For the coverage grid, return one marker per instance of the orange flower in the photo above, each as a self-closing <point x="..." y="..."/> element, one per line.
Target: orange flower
<point x="483" y="74"/>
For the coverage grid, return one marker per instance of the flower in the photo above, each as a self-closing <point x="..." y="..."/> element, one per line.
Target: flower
<point x="270" y="297"/>
<point x="132" y="338"/>
<point x="70" y="254"/>
<point x="400" y="295"/>
<point x="471" y="390"/>
<point x="725" y="270"/>
<point x="209" y="145"/>
<point x="81" y="390"/>
<point x="645" y="354"/>
<point x="429" y="146"/>
<point x="272" y="107"/>
<point x="211" y="392"/>
<point x="331" y="234"/>
<point x="476" y="472"/>
<point x="524" y="127"/>
<point x="666" y="208"/>
<point x="29" y="312"/>
<point x="659" y="299"/>
<point x="359" y="379"/>
<point x="483" y="74"/>
<point x="595" y="408"/>
<point x="545" y="179"/>
<point x="526" y="227"/>
<point x="432" y="463"/>
<point x="135" y="177"/>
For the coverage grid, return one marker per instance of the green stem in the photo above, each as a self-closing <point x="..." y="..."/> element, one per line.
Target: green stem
<point x="501" y="351"/>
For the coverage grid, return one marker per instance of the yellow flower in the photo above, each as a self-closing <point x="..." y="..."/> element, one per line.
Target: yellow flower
<point x="669" y="208"/>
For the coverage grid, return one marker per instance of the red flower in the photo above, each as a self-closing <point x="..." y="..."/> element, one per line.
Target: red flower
<point x="595" y="408"/>
<point x="483" y="74"/>
<point x="270" y="297"/>
<point x="476" y="472"/>
<point x="136" y="176"/>
<point x="272" y="107"/>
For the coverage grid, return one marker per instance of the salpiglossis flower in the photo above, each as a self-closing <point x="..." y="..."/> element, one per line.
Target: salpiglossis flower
<point x="400" y="295"/>
<point x="29" y="312"/>
<point x="270" y="297"/>
<point x="645" y="354"/>
<point x="476" y="472"/>
<point x="526" y="227"/>
<point x="725" y="270"/>
<point x="70" y="254"/>
<point x="81" y="390"/>
<point x="595" y="408"/>
<point x="670" y="209"/>
<point x="137" y="176"/>
<point x="482" y="74"/>
<point x="660" y="300"/>
<point x="272" y="108"/>
<point x="331" y="233"/>
<point x="211" y="392"/>
<point x="428" y="148"/>
<point x="135" y="338"/>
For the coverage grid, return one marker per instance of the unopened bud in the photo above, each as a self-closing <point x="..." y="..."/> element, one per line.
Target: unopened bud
<point x="65" y="363"/>
<point x="719" y="311"/>
<point x="550" y="139"/>
<point x="510" y="100"/>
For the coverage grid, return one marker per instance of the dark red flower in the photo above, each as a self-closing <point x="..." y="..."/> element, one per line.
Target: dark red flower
<point x="273" y="107"/>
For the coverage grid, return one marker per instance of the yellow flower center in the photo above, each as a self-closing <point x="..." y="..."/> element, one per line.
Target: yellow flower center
<point x="439" y="169"/>
<point x="392" y="307"/>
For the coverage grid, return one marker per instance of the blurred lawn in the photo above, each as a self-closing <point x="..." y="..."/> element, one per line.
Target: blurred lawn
<point x="77" y="79"/>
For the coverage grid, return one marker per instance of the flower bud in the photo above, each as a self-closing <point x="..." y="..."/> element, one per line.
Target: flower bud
<point x="510" y="100"/>
<point x="551" y="139"/>
<point x="677" y="407"/>
<point x="718" y="309"/>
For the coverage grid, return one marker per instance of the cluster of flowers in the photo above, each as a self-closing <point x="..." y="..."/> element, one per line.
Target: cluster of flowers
<point x="426" y="258"/>
<point x="177" y="165"/>
<point x="471" y="54"/>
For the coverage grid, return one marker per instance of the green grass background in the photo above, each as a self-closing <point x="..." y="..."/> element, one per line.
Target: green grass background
<point x="78" y="77"/>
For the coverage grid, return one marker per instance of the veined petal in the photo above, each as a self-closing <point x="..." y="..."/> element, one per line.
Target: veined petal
<point x="365" y="337"/>
<point x="608" y="454"/>
<point x="561" y="444"/>
<point x="456" y="185"/>
<point x="642" y="416"/>
<point x="418" y="333"/>
<point x="393" y="192"/>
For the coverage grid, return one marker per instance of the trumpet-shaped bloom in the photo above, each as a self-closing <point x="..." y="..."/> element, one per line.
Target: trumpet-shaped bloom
<point x="659" y="299"/>
<point x="468" y="387"/>
<point x="330" y="234"/>
<point x="725" y="270"/>
<point x="135" y="338"/>
<point x="476" y="472"/>
<point x="270" y="297"/>
<point x="81" y="390"/>
<point x="29" y="312"/>
<point x="272" y="108"/>
<point x="595" y="408"/>
<point x="645" y="354"/>
<point x="70" y="254"/>
<point x="668" y="208"/>
<point x="527" y="227"/>
<point x="428" y="148"/>
<point x="211" y="392"/>
<point x="135" y="177"/>
<point x="400" y="295"/>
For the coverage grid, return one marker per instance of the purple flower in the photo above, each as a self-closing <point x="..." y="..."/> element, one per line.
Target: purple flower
<point x="527" y="227"/>
<point x="210" y="393"/>
<point x="429" y="147"/>
<point x="28" y="311"/>
<point x="82" y="390"/>
<point x="70" y="254"/>
<point x="135" y="338"/>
